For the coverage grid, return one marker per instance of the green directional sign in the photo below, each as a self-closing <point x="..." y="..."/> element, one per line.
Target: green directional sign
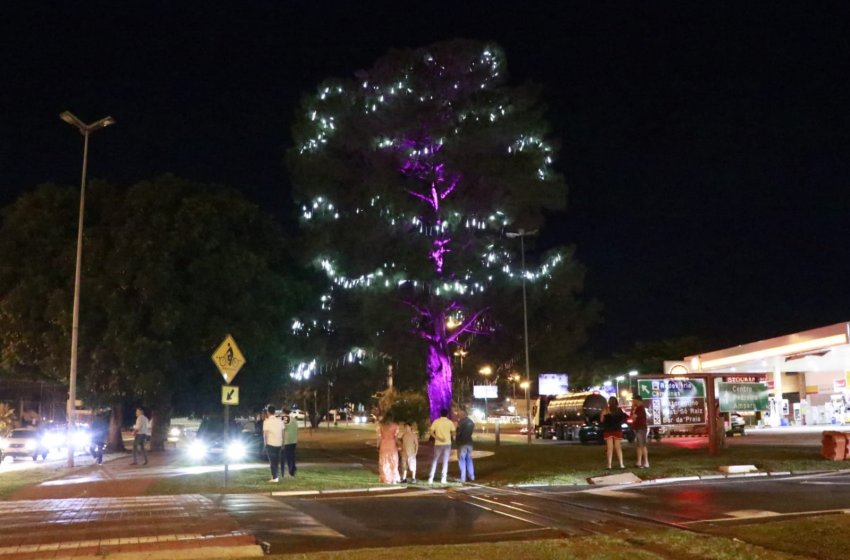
<point x="742" y="397"/>
<point x="673" y="401"/>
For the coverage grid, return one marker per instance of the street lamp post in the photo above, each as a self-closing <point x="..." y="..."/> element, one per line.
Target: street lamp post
<point x="460" y="353"/>
<point x="618" y="379"/>
<point x="525" y="385"/>
<point x="85" y="130"/>
<point x="522" y="235"/>
<point x="486" y="371"/>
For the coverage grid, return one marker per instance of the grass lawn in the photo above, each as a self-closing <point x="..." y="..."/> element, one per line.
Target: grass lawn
<point x="12" y="479"/>
<point x="826" y="537"/>
<point x="511" y="463"/>
<point x="256" y="480"/>
<point x="659" y="545"/>
<point x="573" y="463"/>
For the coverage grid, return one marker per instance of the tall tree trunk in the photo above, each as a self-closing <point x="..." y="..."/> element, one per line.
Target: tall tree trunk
<point x="161" y="418"/>
<point x="439" y="380"/>
<point x="115" y="442"/>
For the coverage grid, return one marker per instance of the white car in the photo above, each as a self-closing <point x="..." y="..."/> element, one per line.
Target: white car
<point x="24" y="442"/>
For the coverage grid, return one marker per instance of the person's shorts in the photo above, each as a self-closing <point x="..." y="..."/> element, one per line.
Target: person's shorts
<point x="640" y="437"/>
<point x="617" y="434"/>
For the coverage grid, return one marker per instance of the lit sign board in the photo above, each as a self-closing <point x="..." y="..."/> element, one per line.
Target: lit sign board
<point x="553" y="383"/>
<point x="742" y="397"/>
<point x="485" y="391"/>
<point x="673" y="402"/>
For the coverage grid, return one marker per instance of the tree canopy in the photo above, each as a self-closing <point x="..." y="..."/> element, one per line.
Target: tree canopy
<point x="169" y="268"/>
<point x="408" y="176"/>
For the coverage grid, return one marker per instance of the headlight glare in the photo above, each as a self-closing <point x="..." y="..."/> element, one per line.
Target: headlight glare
<point x="197" y="449"/>
<point x="236" y="451"/>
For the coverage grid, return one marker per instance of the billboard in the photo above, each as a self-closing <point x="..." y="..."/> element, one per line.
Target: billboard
<point x="552" y="384"/>
<point x="485" y="391"/>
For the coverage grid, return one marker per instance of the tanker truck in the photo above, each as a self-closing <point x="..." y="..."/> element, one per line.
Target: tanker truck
<point x="572" y="416"/>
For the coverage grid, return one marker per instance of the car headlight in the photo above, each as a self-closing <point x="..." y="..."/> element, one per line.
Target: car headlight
<point x="624" y="425"/>
<point x="81" y="440"/>
<point x="52" y="440"/>
<point x="30" y="444"/>
<point x="198" y="449"/>
<point x="174" y="432"/>
<point x="236" y="451"/>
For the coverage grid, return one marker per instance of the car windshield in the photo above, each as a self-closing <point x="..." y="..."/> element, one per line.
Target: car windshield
<point x="24" y="434"/>
<point x="214" y="427"/>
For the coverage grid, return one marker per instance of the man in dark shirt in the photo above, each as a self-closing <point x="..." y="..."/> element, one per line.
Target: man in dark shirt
<point x="465" y="429"/>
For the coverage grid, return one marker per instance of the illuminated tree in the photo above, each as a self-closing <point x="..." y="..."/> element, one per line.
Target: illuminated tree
<point x="408" y="177"/>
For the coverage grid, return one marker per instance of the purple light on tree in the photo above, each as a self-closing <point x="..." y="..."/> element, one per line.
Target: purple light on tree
<point x="436" y="155"/>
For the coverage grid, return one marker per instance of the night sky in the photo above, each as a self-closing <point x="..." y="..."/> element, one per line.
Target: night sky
<point x="706" y="147"/>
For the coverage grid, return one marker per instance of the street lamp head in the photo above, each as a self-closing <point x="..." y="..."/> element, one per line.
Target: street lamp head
<point x="102" y="123"/>
<point x="72" y="119"/>
<point x="524" y="385"/>
<point x="620" y="378"/>
<point x="486" y="370"/>
<point x="84" y="128"/>
<point x="633" y="373"/>
<point x="460" y="352"/>
<point x="520" y="233"/>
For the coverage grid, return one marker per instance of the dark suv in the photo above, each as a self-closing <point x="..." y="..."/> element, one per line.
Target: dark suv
<point x="211" y="444"/>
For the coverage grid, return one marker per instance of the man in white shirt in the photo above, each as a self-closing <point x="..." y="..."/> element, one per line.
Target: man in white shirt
<point x="273" y="440"/>
<point x="442" y="429"/>
<point x="140" y="435"/>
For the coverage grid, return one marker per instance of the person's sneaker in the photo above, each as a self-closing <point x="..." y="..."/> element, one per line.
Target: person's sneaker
<point x="404" y="481"/>
<point x="430" y="481"/>
<point x="443" y="481"/>
<point x="274" y="480"/>
<point x="134" y="463"/>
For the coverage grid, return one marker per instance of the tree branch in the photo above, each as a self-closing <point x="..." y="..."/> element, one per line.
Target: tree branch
<point x="466" y="326"/>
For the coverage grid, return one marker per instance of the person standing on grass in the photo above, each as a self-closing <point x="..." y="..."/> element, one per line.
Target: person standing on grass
<point x="388" y="450"/>
<point x="140" y="435"/>
<point x="442" y="430"/>
<point x="612" y="430"/>
<point x="290" y="440"/>
<point x="273" y="440"/>
<point x="409" y="449"/>
<point x="465" y="429"/>
<point x="639" y="425"/>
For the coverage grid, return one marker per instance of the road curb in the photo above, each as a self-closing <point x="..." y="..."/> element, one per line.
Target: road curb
<point x="392" y="488"/>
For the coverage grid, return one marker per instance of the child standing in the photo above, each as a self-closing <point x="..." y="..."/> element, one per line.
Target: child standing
<point x="409" y="448"/>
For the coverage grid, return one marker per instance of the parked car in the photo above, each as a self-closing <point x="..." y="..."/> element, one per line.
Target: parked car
<point x="592" y="433"/>
<point x="737" y="424"/>
<point x="24" y="442"/>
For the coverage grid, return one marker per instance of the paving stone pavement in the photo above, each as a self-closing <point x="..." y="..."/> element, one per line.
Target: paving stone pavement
<point x="60" y="528"/>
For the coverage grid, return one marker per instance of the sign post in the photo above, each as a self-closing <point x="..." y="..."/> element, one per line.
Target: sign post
<point x="229" y="360"/>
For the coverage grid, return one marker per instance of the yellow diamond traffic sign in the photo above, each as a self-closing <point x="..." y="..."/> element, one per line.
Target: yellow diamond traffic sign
<point x="229" y="394"/>
<point x="228" y="359"/>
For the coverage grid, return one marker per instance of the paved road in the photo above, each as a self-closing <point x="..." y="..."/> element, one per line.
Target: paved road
<point x="718" y="501"/>
<point x="302" y="524"/>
